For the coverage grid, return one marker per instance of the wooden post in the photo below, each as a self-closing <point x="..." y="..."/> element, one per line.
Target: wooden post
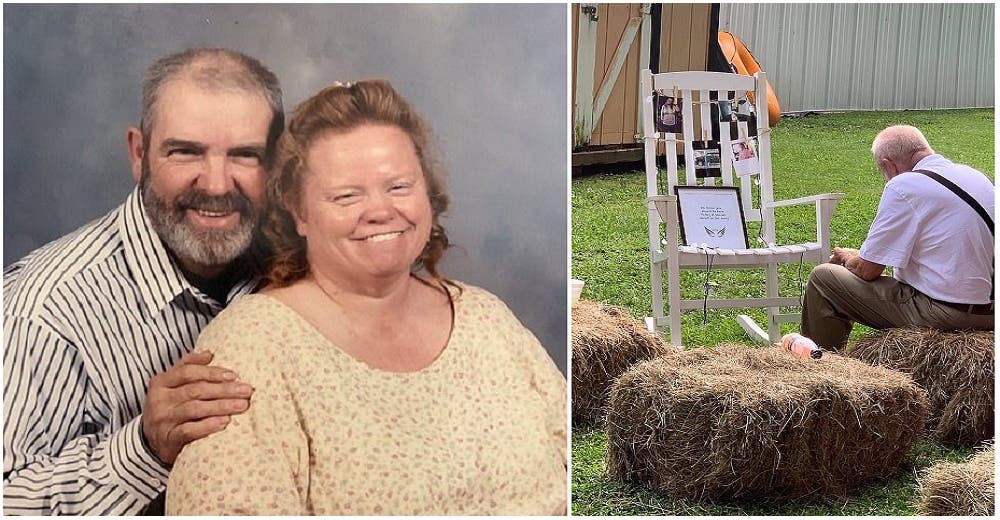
<point x="586" y="50"/>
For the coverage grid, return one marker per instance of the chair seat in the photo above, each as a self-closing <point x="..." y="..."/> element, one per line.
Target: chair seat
<point x="696" y="256"/>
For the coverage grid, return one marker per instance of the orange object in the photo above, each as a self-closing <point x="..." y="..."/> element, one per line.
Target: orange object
<point x="739" y="56"/>
<point x="800" y="346"/>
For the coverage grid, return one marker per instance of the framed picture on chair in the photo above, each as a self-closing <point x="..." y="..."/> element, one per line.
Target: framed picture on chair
<point x="712" y="216"/>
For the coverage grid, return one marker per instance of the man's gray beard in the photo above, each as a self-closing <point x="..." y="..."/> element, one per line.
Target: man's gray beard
<point x="202" y="247"/>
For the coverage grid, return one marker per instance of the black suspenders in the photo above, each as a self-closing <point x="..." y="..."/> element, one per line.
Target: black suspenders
<point x="968" y="200"/>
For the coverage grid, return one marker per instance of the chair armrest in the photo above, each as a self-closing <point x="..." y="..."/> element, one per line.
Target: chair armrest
<point x="804" y="200"/>
<point x="825" y="203"/>
<point x="663" y="198"/>
<point x="660" y="202"/>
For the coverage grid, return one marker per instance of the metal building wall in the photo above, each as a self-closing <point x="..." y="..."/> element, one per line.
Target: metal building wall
<point x="870" y="56"/>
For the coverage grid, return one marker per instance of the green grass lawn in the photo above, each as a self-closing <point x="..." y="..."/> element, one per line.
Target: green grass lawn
<point x="812" y="154"/>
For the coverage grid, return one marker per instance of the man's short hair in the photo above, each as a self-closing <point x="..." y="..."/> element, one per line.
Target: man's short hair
<point x="899" y="143"/>
<point x="213" y="69"/>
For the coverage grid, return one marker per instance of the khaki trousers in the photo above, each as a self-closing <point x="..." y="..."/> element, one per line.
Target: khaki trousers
<point x="835" y="298"/>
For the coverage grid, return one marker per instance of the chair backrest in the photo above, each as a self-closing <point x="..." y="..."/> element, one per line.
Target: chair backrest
<point x="699" y="94"/>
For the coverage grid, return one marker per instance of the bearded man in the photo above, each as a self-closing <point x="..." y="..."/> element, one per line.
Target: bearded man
<point x="100" y="393"/>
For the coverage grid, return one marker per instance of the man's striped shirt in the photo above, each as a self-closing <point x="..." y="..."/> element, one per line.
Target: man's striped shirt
<point x="88" y="319"/>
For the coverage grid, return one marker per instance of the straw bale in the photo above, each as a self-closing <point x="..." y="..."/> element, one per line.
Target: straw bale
<point x="735" y="421"/>
<point x="959" y="489"/>
<point x="955" y="368"/>
<point x="607" y="340"/>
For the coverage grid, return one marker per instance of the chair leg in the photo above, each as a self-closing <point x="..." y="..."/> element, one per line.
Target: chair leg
<point x="656" y="285"/>
<point x="674" y="298"/>
<point x="773" y="326"/>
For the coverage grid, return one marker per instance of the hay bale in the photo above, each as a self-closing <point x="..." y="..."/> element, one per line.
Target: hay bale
<point x="735" y="421"/>
<point x="607" y="340"/>
<point x="955" y="368"/>
<point x="958" y="489"/>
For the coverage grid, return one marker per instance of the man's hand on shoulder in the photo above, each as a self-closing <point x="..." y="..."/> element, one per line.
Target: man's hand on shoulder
<point x="189" y="401"/>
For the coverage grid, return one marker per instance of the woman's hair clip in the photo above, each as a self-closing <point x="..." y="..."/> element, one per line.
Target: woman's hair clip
<point x="342" y="84"/>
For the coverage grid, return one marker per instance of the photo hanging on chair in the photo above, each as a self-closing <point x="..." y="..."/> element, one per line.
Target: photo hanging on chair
<point x="707" y="159"/>
<point x="726" y="113"/>
<point x="712" y="216"/>
<point x="745" y="160"/>
<point x="744" y="112"/>
<point x="734" y="112"/>
<point x="668" y="114"/>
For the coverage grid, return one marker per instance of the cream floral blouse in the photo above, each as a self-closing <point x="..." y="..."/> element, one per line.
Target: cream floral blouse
<point x="481" y="431"/>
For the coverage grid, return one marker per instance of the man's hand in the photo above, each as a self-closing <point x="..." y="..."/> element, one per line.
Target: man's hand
<point x="189" y="401"/>
<point x="841" y="255"/>
<point x="851" y="259"/>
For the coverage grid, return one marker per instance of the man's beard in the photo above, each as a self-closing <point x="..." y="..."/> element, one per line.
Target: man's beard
<point x="205" y="247"/>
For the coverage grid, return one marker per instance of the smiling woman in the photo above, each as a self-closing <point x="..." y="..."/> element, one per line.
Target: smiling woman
<point x="364" y="206"/>
<point x="381" y="387"/>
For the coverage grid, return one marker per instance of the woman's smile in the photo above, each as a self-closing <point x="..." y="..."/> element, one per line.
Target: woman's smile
<point x="382" y="237"/>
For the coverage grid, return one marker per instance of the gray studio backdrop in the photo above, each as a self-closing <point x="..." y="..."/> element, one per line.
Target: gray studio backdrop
<point x="490" y="80"/>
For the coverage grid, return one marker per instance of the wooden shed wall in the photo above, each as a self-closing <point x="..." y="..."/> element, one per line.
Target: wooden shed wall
<point x="618" y="122"/>
<point x="683" y="45"/>
<point x="684" y="37"/>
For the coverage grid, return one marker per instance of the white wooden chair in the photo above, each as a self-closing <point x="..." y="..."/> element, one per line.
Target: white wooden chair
<point x="668" y="255"/>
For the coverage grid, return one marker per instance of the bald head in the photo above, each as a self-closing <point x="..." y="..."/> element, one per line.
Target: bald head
<point x="898" y="149"/>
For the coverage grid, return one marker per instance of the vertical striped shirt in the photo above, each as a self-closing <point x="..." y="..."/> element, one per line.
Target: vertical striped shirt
<point x="88" y="319"/>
